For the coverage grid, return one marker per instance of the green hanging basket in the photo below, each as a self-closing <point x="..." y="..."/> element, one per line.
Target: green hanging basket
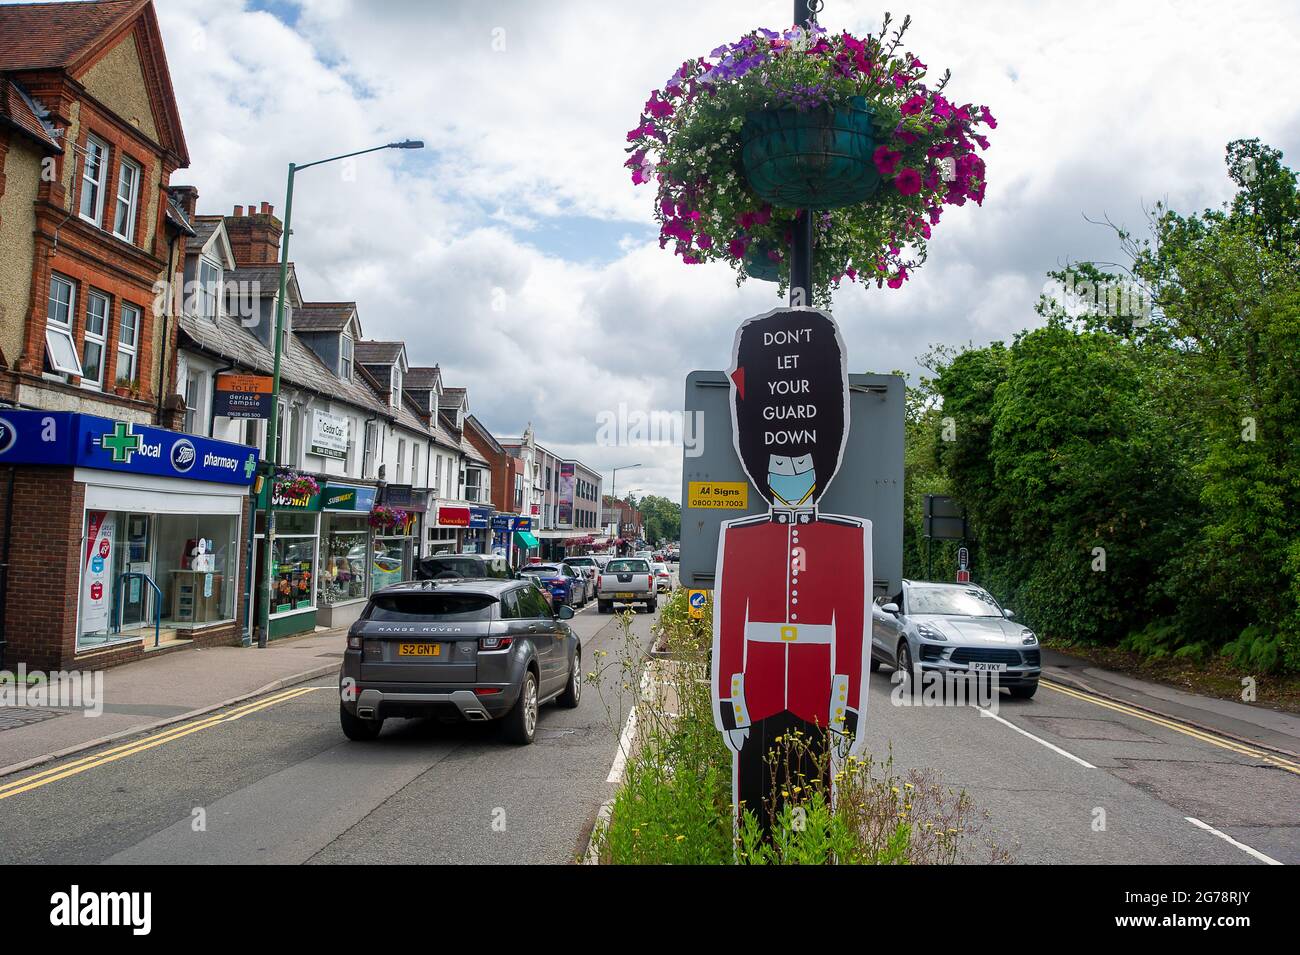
<point x="759" y="266"/>
<point x="819" y="159"/>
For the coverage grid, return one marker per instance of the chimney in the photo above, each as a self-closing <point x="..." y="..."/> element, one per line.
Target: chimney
<point x="187" y="197"/>
<point x="255" y="237"/>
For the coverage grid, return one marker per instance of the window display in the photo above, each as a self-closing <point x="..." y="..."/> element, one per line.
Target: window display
<point x="145" y="572"/>
<point x="390" y="558"/>
<point x="344" y="547"/>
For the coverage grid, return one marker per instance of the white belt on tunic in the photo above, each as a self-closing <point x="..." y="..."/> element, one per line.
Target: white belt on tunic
<point x="789" y="632"/>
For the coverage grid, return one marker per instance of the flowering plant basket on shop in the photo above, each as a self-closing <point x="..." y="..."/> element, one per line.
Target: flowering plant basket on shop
<point x="740" y="140"/>
<point x="388" y="517"/>
<point x="292" y="484"/>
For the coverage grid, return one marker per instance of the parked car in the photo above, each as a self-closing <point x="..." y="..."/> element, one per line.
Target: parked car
<point x="954" y="629"/>
<point x="663" y="577"/>
<point x="627" y="580"/>
<point x="459" y="650"/>
<point x="565" y="585"/>
<point x="464" y="566"/>
<point x="590" y="569"/>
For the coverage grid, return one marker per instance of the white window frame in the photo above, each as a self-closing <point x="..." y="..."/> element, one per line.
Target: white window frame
<point x="132" y="199"/>
<point x="396" y="394"/>
<point x="415" y="464"/>
<point x="128" y="350"/>
<point x="209" y="293"/>
<point x="99" y="338"/>
<point x="97" y="216"/>
<point x="345" y="357"/>
<point x="401" y="457"/>
<point x="61" y="331"/>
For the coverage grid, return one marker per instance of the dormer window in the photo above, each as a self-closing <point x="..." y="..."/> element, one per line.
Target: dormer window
<point x="345" y="358"/>
<point x="209" y="291"/>
<point x="395" y="398"/>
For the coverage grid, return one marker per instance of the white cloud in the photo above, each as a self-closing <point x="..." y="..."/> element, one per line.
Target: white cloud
<point x="483" y="251"/>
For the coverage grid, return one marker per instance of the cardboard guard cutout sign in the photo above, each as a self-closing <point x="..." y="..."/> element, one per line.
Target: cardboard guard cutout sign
<point x="790" y="630"/>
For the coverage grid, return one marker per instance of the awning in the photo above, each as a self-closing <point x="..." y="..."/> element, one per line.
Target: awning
<point x="526" y="539"/>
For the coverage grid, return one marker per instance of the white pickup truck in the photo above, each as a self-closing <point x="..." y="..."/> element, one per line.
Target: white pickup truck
<point x="626" y="580"/>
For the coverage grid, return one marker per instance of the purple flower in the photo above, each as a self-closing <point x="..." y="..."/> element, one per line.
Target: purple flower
<point x="908" y="182"/>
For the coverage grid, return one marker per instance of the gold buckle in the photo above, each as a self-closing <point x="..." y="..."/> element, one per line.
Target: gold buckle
<point x="789" y="633"/>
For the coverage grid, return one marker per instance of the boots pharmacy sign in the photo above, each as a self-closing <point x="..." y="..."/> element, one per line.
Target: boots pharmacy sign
<point x="329" y="435"/>
<point x="72" y="439"/>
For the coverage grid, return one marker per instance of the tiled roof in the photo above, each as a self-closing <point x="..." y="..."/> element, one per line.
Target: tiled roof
<point x="323" y="316"/>
<point x="472" y="452"/>
<point x="204" y="226"/>
<point x="41" y="36"/>
<point x="421" y="378"/>
<point x="176" y="216"/>
<point x="452" y="398"/>
<point x="377" y="353"/>
<point x="299" y="366"/>
<point x="19" y="110"/>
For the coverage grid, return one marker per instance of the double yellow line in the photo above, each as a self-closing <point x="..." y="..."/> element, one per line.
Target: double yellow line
<point x="77" y="766"/>
<point x="1186" y="730"/>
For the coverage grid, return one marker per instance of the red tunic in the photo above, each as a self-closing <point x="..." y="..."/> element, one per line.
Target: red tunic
<point x="790" y="632"/>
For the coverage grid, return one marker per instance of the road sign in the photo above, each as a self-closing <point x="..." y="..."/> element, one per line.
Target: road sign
<point x="869" y="482"/>
<point x="944" y="518"/>
<point x="963" y="576"/>
<point x="963" y="558"/>
<point x="696" y="598"/>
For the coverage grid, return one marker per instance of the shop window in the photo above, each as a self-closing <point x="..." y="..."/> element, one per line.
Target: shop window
<point x="191" y="560"/>
<point x="345" y="554"/>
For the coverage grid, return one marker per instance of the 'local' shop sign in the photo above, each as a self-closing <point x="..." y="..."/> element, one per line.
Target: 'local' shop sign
<point x="72" y="439"/>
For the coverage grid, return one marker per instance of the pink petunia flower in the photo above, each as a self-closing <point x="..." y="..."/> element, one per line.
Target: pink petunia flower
<point x="908" y="182"/>
<point x="885" y="159"/>
<point x="915" y="104"/>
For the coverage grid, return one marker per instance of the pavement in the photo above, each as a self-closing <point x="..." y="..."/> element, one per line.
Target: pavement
<point x="154" y="692"/>
<point x="235" y="755"/>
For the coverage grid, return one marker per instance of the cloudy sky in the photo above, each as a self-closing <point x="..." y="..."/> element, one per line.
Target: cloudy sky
<point x="515" y="252"/>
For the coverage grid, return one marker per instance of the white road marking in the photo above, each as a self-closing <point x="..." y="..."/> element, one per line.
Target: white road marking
<point x="1052" y="746"/>
<point x="1267" y="860"/>
<point x="625" y="738"/>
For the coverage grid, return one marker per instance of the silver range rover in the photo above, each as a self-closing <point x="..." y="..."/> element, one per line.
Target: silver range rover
<point x="954" y="629"/>
<point x="458" y="650"/>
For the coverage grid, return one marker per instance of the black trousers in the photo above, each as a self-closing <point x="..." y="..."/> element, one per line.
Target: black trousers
<point x="765" y="767"/>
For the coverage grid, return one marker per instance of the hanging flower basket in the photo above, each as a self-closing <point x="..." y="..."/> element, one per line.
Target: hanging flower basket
<point x="741" y="140"/>
<point x="818" y="159"/>
<point x="290" y="484"/>
<point x="763" y="262"/>
<point x="383" y="517"/>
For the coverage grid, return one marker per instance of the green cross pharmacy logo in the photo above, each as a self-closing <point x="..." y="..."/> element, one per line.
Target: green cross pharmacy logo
<point x="122" y="443"/>
<point x="250" y="466"/>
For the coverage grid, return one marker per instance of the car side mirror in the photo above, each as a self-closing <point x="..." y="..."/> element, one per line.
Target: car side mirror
<point x="890" y="608"/>
<point x="566" y="612"/>
<point x="1008" y="613"/>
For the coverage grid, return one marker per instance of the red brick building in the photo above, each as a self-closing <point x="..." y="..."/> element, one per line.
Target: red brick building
<point x="90" y="234"/>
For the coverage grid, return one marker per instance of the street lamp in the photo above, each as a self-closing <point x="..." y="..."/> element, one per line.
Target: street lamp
<point x="273" y="429"/>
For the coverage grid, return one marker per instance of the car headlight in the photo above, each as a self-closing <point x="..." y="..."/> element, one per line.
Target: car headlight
<point x="1027" y="637"/>
<point x="929" y="632"/>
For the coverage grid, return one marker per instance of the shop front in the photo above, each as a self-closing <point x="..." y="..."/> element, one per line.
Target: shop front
<point x="295" y="554"/>
<point x="513" y="539"/>
<point x="139" y="526"/>
<point x="449" y="528"/>
<point x="392" y="545"/>
<point x="344" y="580"/>
<point x="477" y="537"/>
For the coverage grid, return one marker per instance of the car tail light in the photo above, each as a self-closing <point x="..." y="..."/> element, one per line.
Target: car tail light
<point x="494" y="643"/>
<point x="486" y="690"/>
<point x="354" y="641"/>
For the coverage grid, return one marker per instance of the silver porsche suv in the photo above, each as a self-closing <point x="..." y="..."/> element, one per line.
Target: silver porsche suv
<point x="955" y="630"/>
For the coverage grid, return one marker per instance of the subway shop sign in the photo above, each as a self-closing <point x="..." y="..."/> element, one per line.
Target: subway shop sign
<point x="72" y="439"/>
